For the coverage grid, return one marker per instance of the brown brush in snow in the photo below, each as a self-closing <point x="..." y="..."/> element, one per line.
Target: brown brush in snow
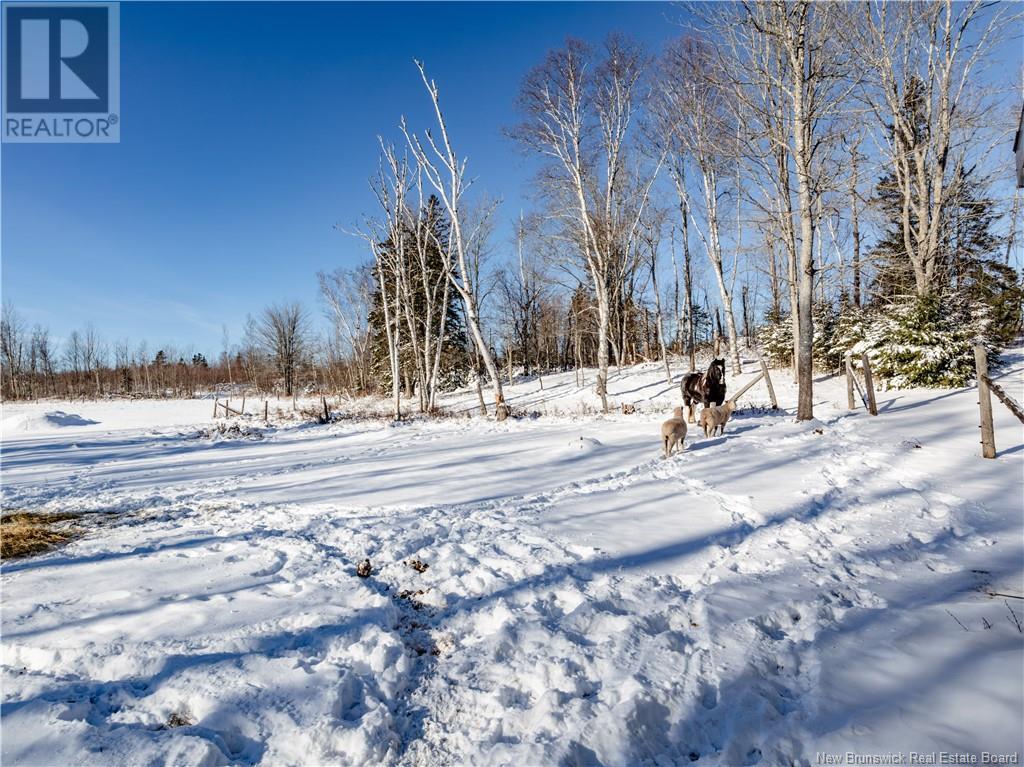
<point x="23" y="534"/>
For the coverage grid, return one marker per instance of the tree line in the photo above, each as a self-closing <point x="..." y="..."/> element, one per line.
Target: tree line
<point x="812" y="177"/>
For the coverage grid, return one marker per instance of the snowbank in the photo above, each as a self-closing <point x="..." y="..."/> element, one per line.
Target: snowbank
<point x="785" y="589"/>
<point x="54" y="419"/>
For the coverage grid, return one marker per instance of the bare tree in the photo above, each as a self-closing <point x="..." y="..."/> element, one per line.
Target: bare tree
<point x="784" y="61"/>
<point x="12" y="349"/>
<point x="349" y="297"/>
<point x="919" y="59"/>
<point x="856" y="205"/>
<point x="446" y="172"/>
<point x="426" y="289"/>
<point x="522" y="288"/>
<point x="283" y="331"/>
<point x="701" y="120"/>
<point x="73" y="359"/>
<point x="42" y="354"/>
<point x="387" y="242"/>
<point x="650" y="235"/>
<point x="94" y="353"/>
<point x="579" y="116"/>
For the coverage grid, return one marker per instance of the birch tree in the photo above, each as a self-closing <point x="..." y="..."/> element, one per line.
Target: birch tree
<point x="919" y="60"/>
<point x="348" y="294"/>
<point x="785" y="57"/>
<point x="698" y="113"/>
<point x="579" y="112"/>
<point x="651" y="232"/>
<point x="386" y="240"/>
<point x="446" y="172"/>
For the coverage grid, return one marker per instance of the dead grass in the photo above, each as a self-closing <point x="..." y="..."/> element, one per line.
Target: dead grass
<point x="23" y="534"/>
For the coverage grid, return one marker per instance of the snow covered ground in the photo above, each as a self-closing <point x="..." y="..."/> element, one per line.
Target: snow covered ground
<point x="787" y="590"/>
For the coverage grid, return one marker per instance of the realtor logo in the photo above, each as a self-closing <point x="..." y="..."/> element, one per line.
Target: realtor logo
<point x="61" y="72"/>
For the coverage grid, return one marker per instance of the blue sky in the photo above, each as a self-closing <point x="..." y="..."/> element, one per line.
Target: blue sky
<point x="247" y="133"/>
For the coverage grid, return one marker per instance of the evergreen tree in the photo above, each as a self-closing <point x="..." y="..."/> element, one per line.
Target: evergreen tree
<point x="924" y="341"/>
<point x="776" y="338"/>
<point x="968" y="265"/>
<point x="928" y="341"/>
<point x="455" y="357"/>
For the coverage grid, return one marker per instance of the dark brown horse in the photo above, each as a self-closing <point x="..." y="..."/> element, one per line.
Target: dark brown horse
<point x="705" y="388"/>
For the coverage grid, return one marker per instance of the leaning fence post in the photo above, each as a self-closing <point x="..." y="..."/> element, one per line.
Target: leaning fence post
<point x="768" y="382"/>
<point x="215" y="403"/>
<point x="988" y="436"/>
<point x="869" y="385"/>
<point x="851" y="403"/>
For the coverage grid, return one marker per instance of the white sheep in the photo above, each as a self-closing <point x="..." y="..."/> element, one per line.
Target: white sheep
<point x="714" y="417"/>
<point x="673" y="432"/>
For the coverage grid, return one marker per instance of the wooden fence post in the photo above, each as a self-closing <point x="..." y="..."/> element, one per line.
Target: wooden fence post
<point x="215" y="403"/>
<point x="327" y="414"/>
<point x="851" y="403"/>
<point x="266" y="405"/>
<point x="768" y="381"/>
<point x="243" y="405"/>
<point x="988" y="436"/>
<point x="869" y="385"/>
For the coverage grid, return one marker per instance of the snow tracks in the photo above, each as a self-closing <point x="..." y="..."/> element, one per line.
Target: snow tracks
<point x="785" y="589"/>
